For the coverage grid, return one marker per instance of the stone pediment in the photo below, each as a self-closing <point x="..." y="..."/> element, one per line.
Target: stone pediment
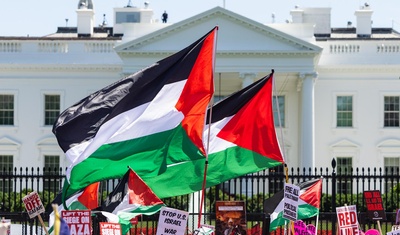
<point x="345" y="144"/>
<point x="390" y="145"/>
<point x="7" y="143"/>
<point x="236" y="35"/>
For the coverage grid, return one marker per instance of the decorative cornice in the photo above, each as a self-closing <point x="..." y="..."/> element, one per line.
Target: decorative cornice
<point x="358" y="69"/>
<point x="61" y="68"/>
<point x="227" y="53"/>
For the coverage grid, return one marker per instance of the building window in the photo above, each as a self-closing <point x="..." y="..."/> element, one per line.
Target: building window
<point x="344" y="173"/>
<point x="51" y="171"/>
<point x="278" y="104"/>
<point x="276" y="179"/>
<point x="6" y="168"/>
<point x="51" y="108"/>
<point x="391" y="111"/>
<point x="344" y="111"/>
<point x="6" y="109"/>
<point x="391" y="169"/>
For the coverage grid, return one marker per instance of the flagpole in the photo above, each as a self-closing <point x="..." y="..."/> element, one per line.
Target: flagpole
<point x="286" y="231"/>
<point x="317" y="219"/>
<point x="203" y="187"/>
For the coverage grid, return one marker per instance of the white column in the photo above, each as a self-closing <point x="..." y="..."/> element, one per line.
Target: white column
<point x="248" y="78"/>
<point x="307" y="140"/>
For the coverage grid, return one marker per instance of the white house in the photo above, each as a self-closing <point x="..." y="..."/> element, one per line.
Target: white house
<point x="338" y="88"/>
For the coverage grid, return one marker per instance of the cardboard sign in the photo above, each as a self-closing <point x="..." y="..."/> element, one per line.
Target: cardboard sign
<point x="79" y="221"/>
<point x="230" y="217"/>
<point x="110" y="228"/>
<point x="373" y="201"/>
<point x="290" y="201"/>
<point x="33" y="204"/>
<point x="347" y="220"/>
<point x="172" y="221"/>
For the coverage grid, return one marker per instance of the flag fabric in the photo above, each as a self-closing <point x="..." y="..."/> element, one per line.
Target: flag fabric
<point x="60" y="226"/>
<point x="309" y="203"/>
<point x="146" y="120"/>
<point x="242" y="140"/>
<point x="130" y="198"/>
<point x="255" y="230"/>
<point x="85" y="199"/>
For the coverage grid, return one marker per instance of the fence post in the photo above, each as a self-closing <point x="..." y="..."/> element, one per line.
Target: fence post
<point x="333" y="218"/>
<point x="266" y="224"/>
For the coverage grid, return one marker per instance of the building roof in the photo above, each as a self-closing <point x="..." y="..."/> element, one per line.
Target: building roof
<point x="350" y="34"/>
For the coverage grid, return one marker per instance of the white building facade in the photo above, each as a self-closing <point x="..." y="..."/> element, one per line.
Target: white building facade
<point x="338" y="88"/>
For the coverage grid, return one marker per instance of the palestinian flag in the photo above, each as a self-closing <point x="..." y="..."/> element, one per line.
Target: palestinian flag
<point x="147" y="120"/>
<point x="130" y="198"/>
<point x="242" y="140"/>
<point x="309" y="203"/>
<point x="86" y="199"/>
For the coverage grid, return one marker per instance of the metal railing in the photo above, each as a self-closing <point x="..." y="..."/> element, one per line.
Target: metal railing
<point x="339" y="188"/>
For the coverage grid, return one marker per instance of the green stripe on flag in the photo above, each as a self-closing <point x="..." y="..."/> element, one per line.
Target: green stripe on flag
<point x="146" y="156"/>
<point x="187" y="177"/>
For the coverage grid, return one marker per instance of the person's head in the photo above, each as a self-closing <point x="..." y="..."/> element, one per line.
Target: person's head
<point x="230" y="222"/>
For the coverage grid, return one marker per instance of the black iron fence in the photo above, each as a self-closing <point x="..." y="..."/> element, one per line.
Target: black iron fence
<point x="340" y="187"/>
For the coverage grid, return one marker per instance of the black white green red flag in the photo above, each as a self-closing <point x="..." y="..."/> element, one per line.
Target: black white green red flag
<point x="146" y="121"/>
<point x="130" y="198"/>
<point x="309" y="203"/>
<point x="242" y="141"/>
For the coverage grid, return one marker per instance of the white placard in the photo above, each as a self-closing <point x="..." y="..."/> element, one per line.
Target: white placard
<point x="172" y="221"/>
<point x="33" y="204"/>
<point x="347" y="220"/>
<point x="290" y="201"/>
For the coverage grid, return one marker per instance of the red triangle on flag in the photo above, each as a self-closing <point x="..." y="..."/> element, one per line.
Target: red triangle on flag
<point x="139" y="193"/>
<point x="312" y="195"/>
<point x="89" y="197"/>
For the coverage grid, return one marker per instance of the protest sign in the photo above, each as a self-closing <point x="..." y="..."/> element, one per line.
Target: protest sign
<point x="172" y="221"/>
<point x="373" y="201"/>
<point x="33" y="204"/>
<point x="79" y="221"/>
<point x="311" y="229"/>
<point x="393" y="232"/>
<point x="372" y="232"/>
<point x="300" y="228"/>
<point x="107" y="228"/>
<point x="5" y="227"/>
<point x="290" y="201"/>
<point x="230" y="217"/>
<point x="347" y="220"/>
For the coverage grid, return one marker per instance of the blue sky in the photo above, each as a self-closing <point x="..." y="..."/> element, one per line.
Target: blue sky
<point x="42" y="17"/>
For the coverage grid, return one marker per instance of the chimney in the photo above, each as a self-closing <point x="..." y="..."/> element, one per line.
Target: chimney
<point x="85" y="21"/>
<point x="364" y="23"/>
<point x="320" y="17"/>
